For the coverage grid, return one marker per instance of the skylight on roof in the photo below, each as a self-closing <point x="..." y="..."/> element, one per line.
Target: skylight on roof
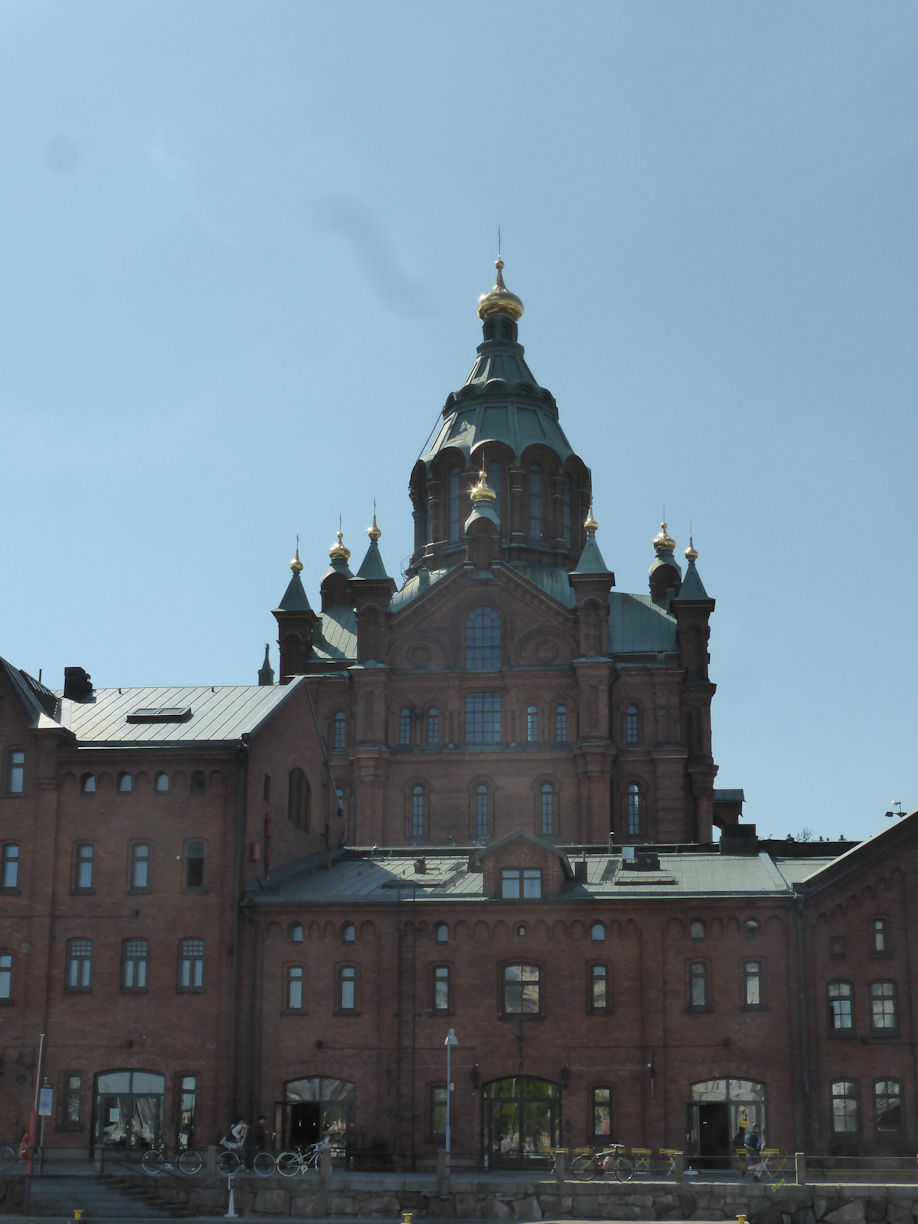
<point x="158" y="714"/>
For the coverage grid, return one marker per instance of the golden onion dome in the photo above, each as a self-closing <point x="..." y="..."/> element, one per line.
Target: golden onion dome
<point x="482" y="491"/>
<point x="499" y="299"/>
<point x="296" y="564"/>
<point x="338" y="552"/>
<point x="664" y="541"/>
<point x="590" y="524"/>
<point x="373" y="531"/>
<point x="691" y="553"/>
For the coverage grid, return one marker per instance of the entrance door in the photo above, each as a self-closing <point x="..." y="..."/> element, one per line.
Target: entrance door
<point x="128" y="1108"/>
<point x="522" y="1119"/>
<point x="304" y="1123"/>
<point x="713" y="1131"/>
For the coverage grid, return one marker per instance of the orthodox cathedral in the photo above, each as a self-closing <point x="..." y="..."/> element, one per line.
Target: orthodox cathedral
<point x="457" y="873"/>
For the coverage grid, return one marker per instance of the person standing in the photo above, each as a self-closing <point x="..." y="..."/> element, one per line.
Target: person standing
<point x="754" y="1153"/>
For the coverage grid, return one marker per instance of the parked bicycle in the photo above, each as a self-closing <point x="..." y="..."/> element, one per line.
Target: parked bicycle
<point x="13" y="1157"/>
<point x="301" y="1160"/>
<point x="159" y="1159"/>
<point x="609" y="1162"/>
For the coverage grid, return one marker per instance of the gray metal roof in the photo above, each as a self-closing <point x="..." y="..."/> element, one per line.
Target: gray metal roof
<point x="336" y="641"/>
<point x="639" y="626"/>
<point x="217" y="714"/>
<point x="393" y="876"/>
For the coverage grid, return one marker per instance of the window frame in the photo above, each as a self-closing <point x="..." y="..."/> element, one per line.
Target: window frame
<point x="632" y="726"/>
<point x="884" y="1006"/>
<point x="295" y="988"/>
<point x="483" y="718"/>
<point x="634" y="809"/>
<point x="699" y="986"/>
<point x="483" y="640"/>
<point x="6" y="978"/>
<point x="517" y="990"/>
<point x="15" y="772"/>
<point x="532" y="724"/>
<point x="892" y="1092"/>
<point x="881" y="940"/>
<point x="190" y="976"/>
<point x="84" y="857"/>
<point x="404" y="727"/>
<point x="346" y="983"/>
<point x="599" y="983"/>
<point x="597" y="1106"/>
<point x="548" y="809"/>
<point x="78" y="973"/>
<point x="441" y="989"/>
<point x="136" y="861"/>
<point x="840" y="1007"/>
<point x="432" y="725"/>
<point x="845" y="1104"/>
<point x="561" y="724"/>
<point x="193" y="877"/>
<point x="135" y="964"/>
<point x="527" y="881"/>
<point x="70" y="1091"/>
<point x="10" y="866"/>
<point x="753" y="995"/>
<point x="418" y="812"/>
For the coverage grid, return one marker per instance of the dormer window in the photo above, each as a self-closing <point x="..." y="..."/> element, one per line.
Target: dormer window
<point x="521" y="883"/>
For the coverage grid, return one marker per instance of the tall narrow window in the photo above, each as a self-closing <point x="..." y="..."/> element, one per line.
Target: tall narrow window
<point x="601" y="1111"/>
<point x="698" y="985"/>
<point x="191" y="965"/>
<point x="547" y="809"/>
<point x="441" y="993"/>
<point x="295" y="994"/>
<point x="880" y="932"/>
<point x="433" y="725"/>
<point x="482" y="813"/>
<point x="139" y="866"/>
<point x="298" y="798"/>
<point x="632" y="725"/>
<point x="10" y="866"/>
<point x="634" y="810"/>
<point x="417" y="813"/>
<point x="6" y="977"/>
<point x="16" y="777"/>
<point x="599" y="988"/>
<point x="340" y="735"/>
<point x="841" y="1016"/>
<point x="70" y="1113"/>
<point x="561" y="724"/>
<point x="404" y="726"/>
<point x="483" y="718"/>
<point x="452" y="504"/>
<point x="347" y="988"/>
<point x="887" y="1100"/>
<point x="883" y="1006"/>
<point x="752" y="983"/>
<point x="82" y="867"/>
<point x="845" y="1112"/>
<point x="535" y="501"/>
<point x="188" y="1108"/>
<point x="79" y="964"/>
<point x="532" y="724"/>
<point x="482" y="640"/>
<point x="194" y="864"/>
<point x="134" y="964"/>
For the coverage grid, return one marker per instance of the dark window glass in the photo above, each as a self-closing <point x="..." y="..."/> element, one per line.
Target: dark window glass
<point x="547" y="810"/>
<point x="433" y="725"/>
<point x="698" y="984"/>
<point x="632" y="725"/>
<point x="483" y="718"/>
<point x="535" y="501"/>
<point x="295" y="988"/>
<point x="79" y="964"/>
<point x="887" y="1099"/>
<point x="134" y="964"/>
<point x="347" y="988"/>
<point x="441" y="993"/>
<point x="482" y="640"/>
<point x="522" y="990"/>
<point x="16" y="780"/>
<point x="340" y="739"/>
<point x="481" y="812"/>
<point x="191" y="965"/>
<point x="561" y="724"/>
<point x="841" y="1014"/>
<point x="883" y="1005"/>
<point x="140" y="865"/>
<point x="634" y="810"/>
<point x="194" y="864"/>
<point x="10" y="865"/>
<point x="532" y="725"/>
<point x="404" y="726"/>
<point x="6" y="976"/>
<point x="845" y="1110"/>
<point x="82" y="867"/>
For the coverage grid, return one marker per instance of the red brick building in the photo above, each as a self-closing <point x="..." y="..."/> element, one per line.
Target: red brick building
<point x="480" y="803"/>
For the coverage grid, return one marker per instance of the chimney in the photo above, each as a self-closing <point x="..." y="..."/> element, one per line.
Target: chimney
<point x="77" y="683"/>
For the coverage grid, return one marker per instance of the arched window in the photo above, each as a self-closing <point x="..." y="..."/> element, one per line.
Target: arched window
<point x="349" y="933"/>
<point x="125" y="784"/>
<point x="535" y="501"/>
<point x="482" y="812"/>
<point x="417" y="813"/>
<point x="547" y="809"/>
<point x="161" y="783"/>
<point x="452" y="504"/>
<point x="340" y="737"/>
<point x="198" y="782"/>
<point x="598" y="932"/>
<point x="634" y="810"/>
<point x="88" y="784"/>
<point x="532" y="724"/>
<point x="752" y="928"/>
<point x="404" y="725"/>
<point x="433" y="725"/>
<point x="441" y="933"/>
<point x="295" y="932"/>
<point x="696" y="930"/>
<point x="560" y="724"/>
<point x="482" y="640"/>
<point x="632" y="725"/>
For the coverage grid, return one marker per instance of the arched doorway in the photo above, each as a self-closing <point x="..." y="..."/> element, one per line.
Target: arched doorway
<point x="522" y="1118"/>
<point x="719" y="1113"/>
<point x="318" y="1107"/>
<point x="128" y="1108"/>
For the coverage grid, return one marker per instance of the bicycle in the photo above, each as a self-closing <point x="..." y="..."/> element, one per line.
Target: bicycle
<point x="608" y="1162"/>
<point x="158" y="1159"/>
<point x="301" y="1160"/>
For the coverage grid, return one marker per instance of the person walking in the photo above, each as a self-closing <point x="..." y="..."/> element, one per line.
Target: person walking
<point x="753" y="1147"/>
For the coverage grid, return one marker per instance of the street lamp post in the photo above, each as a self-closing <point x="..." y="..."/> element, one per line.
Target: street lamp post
<point x="451" y="1040"/>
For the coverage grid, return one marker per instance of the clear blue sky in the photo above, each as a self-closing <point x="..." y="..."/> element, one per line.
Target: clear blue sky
<point x="242" y="245"/>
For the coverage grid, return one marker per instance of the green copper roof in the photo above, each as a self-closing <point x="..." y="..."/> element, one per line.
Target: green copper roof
<point x="591" y="560"/>
<point x="294" y="597"/>
<point x="372" y="564"/>
<point x="692" y="586"/>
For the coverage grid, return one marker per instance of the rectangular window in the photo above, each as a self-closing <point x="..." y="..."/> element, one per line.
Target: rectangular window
<point x="521" y="882"/>
<point x="82" y="867"/>
<point x="417" y="813"/>
<point x="522" y="993"/>
<point x="481" y="813"/>
<point x="441" y="992"/>
<point x="439" y="1102"/>
<point x="601" y="1111"/>
<point x="532" y="725"/>
<point x="841" y="1015"/>
<point x="347" y="988"/>
<point x="188" y="1105"/>
<point x="561" y="724"/>
<point x="887" y="1099"/>
<point x="79" y="964"/>
<point x="881" y="943"/>
<point x="16" y="775"/>
<point x="6" y="977"/>
<point x="752" y="984"/>
<point x="883" y="1006"/>
<point x="191" y="965"/>
<point x="70" y="1115"/>
<point x="483" y="718"/>
<point x="845" y="1119"/>
<point x="10" y="866"/>
<point x="599" y="988"/>
<point x="295" y="988"/>
<point x="194" y="864"/>
<point x="698" y="985"/>
<point x="140" y="866"/>
<point x="134" y="964"/>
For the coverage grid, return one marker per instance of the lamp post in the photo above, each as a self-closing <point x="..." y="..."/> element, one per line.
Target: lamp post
<point x="451" y="1040"/>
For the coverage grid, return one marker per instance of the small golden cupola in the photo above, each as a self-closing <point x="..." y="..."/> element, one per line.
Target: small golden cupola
<point x="499" y="299"/>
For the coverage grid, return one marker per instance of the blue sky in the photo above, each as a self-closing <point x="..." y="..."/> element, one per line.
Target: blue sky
<point x="242" y="246"/>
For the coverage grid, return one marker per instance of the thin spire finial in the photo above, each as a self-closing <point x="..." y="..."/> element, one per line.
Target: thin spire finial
<point x="498" y="242"/>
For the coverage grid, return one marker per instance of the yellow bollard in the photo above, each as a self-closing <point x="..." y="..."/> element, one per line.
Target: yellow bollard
<point x="407" y="1217"/>
<point x="740" y="1219"/>
<point x="78" y="1213"/>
